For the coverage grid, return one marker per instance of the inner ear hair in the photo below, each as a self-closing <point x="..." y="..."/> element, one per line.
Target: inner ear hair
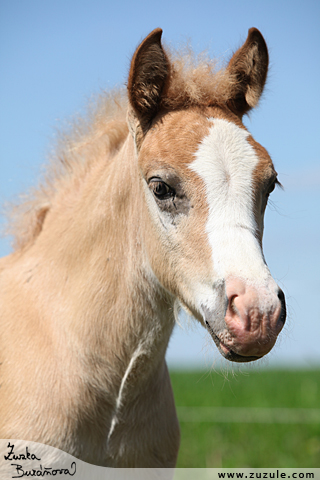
<point x="147" y="77"/>
<point x="248" y="70"/>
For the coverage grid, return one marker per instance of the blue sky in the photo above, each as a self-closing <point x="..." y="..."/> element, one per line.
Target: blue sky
<point x="55" y="55"/>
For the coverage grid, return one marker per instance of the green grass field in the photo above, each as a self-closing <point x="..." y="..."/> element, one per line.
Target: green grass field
<point x="277" y="424"/>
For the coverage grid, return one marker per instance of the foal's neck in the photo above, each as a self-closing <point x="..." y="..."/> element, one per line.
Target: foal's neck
<point x="104" y="298"/>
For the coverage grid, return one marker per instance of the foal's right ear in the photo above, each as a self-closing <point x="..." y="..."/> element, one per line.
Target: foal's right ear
<point x="147" y="77"/>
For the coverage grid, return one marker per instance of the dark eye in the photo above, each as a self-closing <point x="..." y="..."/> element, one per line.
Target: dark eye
<point x="161" y="190"/>
<point x="271" y="188"/>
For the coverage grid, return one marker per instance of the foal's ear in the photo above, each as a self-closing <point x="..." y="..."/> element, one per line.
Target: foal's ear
<point x="248" y="69"/>
<point x="147" y="77"/>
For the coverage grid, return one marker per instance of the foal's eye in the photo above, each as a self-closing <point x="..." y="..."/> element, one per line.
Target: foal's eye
<point x="271" y="188"/>
<point x="161" y="190"/>
<point x="273" y="185"/>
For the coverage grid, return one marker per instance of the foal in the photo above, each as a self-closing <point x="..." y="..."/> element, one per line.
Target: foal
<point x="162" y="208"/>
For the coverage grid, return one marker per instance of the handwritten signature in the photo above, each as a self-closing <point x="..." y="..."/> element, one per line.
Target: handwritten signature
<point x="41" y="471"/>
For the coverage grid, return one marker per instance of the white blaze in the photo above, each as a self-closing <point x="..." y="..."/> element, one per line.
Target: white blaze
<point x="225" y="161"/>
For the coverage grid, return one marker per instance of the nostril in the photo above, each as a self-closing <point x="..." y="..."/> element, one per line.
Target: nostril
<point x="282" y="299"/>
<point x="232" y="305"/>
<point x="281" y="295"/>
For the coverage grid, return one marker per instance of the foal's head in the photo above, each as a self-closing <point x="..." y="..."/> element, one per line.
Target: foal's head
<point x="206" y="183"/>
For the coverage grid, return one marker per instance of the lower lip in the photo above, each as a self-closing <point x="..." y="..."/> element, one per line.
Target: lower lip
<point x="224" y="349"/>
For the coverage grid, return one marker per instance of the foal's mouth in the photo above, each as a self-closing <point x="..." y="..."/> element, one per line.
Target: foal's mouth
<point x="227" y="353"/>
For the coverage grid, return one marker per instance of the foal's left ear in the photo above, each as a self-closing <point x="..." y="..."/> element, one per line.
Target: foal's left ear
<point x="248" y="69"/>
<point x="147" y="77"/>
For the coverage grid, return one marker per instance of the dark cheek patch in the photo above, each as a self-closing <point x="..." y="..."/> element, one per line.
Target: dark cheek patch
<point x="177" y="205"/>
